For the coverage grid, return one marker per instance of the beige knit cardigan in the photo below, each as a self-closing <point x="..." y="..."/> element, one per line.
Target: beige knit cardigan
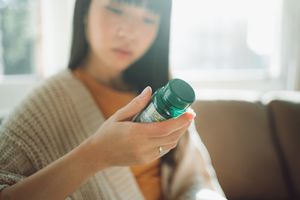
<point x="57" y="116"/>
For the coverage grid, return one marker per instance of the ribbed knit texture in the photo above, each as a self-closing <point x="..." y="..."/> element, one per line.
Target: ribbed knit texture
<point x="55" y="118"/>
<point x="110" y="100"/>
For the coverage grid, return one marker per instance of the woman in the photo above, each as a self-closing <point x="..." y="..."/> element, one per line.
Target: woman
<point x="73" y="136"/>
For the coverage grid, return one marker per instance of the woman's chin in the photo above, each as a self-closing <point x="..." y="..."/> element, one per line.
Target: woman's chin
<point x="120" y="66"/>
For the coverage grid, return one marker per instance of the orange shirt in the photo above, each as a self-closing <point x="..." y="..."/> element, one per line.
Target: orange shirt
<point x="109" y="101"/>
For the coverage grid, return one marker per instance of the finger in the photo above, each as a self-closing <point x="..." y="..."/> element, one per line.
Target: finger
<point x="135" y="106"/>
<point x="170" y="139"/>
<point x="165" y="128"/>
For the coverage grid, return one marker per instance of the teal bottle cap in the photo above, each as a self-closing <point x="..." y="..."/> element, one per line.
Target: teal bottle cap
<point x="179" y="93"/>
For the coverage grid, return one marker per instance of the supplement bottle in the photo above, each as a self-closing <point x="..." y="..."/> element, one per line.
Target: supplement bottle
<point x="169" y="101"/>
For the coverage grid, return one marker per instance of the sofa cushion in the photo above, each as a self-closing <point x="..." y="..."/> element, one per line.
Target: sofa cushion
<point x="286" y="119"/>
<point x="237" y="136"/>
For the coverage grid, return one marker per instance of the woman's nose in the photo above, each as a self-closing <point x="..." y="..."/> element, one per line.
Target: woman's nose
<point x="129" y="29"/>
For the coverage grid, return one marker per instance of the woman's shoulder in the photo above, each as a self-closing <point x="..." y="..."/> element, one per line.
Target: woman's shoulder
<point x="49" y="91"/>
<point x="46" y="118"/>
<point x="60" y="81"/>
<point x="55" y="88"/>
<point x="47" y="99"/>
<point x="59" y="106"/>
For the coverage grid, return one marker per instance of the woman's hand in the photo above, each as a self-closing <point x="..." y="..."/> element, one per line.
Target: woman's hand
<point x="121" y="142"/>
<point x="118" y="142"/>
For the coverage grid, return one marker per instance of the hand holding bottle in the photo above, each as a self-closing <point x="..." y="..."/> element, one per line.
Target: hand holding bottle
<point x="121" y="142"/>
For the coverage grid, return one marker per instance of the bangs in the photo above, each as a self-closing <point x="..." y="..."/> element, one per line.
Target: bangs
<point x="154" y="6"/>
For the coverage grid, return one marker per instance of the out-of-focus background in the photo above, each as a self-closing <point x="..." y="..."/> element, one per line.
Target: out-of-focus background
<point x="241" y="56"/>
<point x="222" y="47"/>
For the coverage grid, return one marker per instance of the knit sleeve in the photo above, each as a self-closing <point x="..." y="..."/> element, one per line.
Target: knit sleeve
<point x="14" y="164"/>
<point x="20" y="145"/>
<point x="194" y="176"/>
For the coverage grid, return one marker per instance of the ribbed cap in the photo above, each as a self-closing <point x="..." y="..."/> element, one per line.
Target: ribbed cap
<point x="179" y="93"/>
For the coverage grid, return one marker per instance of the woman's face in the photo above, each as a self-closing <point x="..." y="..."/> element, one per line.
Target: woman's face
<point x="119" y="33"/>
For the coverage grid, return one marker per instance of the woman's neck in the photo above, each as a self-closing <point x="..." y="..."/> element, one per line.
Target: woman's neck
<point x="104" y="75"/>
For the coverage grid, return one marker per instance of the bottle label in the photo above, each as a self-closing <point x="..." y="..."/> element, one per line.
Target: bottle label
<point x="150" y="114"/>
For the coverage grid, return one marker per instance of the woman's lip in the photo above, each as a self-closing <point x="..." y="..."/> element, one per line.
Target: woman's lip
<point x="122" y="51"/>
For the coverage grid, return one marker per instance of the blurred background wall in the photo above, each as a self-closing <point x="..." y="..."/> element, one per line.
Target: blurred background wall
<point x="224" y="48"/>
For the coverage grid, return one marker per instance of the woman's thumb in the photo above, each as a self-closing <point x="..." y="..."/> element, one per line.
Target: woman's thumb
<point x="135" y="106"/>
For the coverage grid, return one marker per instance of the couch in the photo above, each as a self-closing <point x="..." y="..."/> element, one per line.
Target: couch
<point x="254" y="146"/>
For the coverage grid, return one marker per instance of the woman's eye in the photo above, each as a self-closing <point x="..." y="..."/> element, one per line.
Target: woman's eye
<point x="115" y="10"/>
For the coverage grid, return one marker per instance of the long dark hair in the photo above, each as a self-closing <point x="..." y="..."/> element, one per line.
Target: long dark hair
<point x="152" y="69"/>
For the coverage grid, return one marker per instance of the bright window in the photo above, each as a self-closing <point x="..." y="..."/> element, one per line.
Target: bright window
<point x="19" y="36"/>
<point x="215" y="40"/>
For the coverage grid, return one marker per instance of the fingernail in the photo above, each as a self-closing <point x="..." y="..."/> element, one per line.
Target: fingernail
<point x="191" y="118"/>
<point x="145" y="91"/>
<point x="192" y="113"/>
